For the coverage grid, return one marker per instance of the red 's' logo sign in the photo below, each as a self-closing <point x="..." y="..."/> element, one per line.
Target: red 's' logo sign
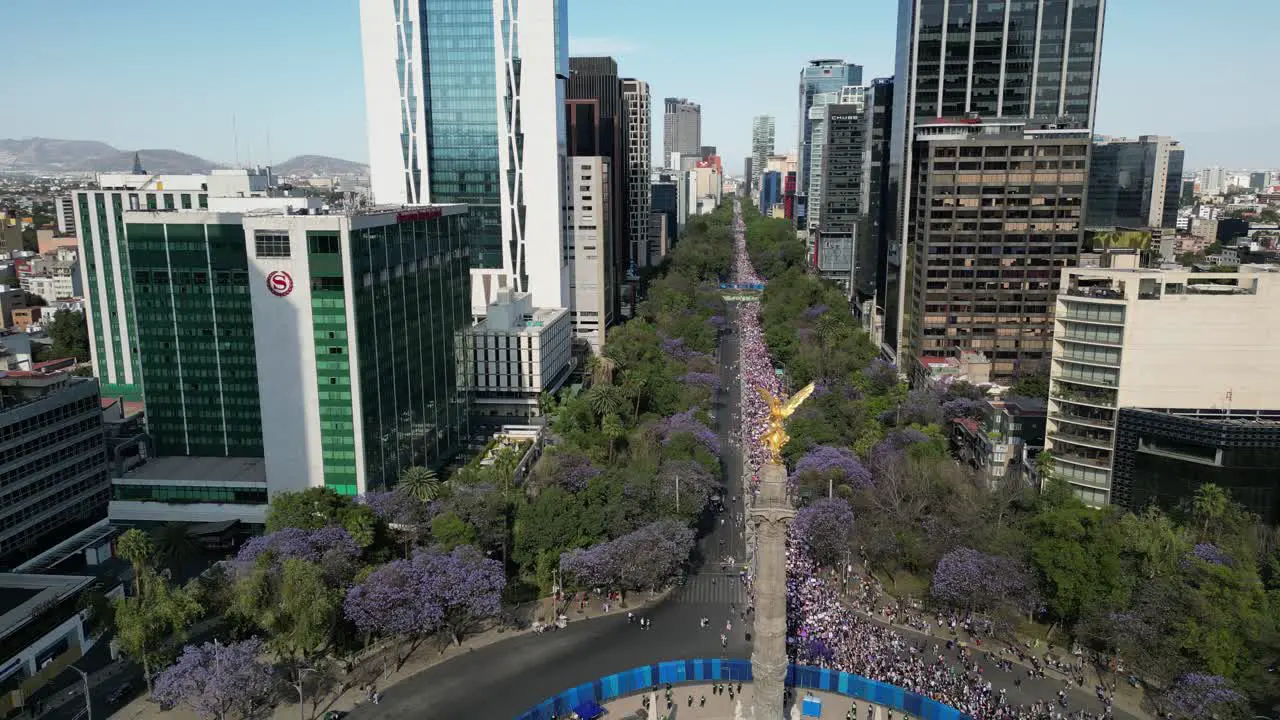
<point x="280" y="283"/>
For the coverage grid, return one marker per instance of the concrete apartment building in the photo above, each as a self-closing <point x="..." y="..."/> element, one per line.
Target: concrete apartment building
<point x="518" y="353"/>
<point x="1177" y="343"/>
<point x="53" y="461"/>
<point x="682" y="128"/>
<point x="592" y="307"/>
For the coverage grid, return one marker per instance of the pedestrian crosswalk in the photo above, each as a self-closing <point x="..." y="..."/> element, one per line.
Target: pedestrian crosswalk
<point x="712" y="590"/>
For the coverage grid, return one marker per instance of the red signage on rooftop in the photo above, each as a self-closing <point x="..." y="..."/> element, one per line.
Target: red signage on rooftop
<point x="423" y="214"/>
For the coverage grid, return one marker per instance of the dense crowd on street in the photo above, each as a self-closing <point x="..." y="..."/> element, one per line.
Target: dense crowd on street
<point x="821" y="629"/>
<point x="756" y="369"/>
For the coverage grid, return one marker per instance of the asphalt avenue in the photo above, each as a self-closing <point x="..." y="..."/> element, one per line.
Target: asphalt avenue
<point x="502" y="680"/>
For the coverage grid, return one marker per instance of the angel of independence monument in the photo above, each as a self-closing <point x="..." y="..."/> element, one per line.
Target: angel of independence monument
<point x="770" y="515"/>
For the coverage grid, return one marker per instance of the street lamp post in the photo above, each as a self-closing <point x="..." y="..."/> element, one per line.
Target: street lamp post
<point x="88" y="701"/>
<point x="302" y="704"/>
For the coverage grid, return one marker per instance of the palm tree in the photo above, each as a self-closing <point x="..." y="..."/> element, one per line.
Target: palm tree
<point x="420" y="483"/>
<point x="605" y="400"/>
<point x="175" y="544"/>
<point x="1209" y="507"/>
<point x="635" y="385"/>
<point x="137" y="549"/>
<point x="601" y="368"/>
<point x="611" y="427"/>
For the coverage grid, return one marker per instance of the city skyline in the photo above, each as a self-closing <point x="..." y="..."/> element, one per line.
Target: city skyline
<point x="265" y="90"/>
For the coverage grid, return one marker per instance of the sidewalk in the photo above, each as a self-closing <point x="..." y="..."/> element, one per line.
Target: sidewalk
<point x="344" y="692"/>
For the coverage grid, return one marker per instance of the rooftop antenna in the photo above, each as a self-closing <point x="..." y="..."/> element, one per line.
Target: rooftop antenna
<point x="235" y="138"/>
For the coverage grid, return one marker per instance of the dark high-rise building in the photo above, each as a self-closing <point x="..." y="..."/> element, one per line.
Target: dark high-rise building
<point x="747" y="173"/>
<point x="666" y="202"/>
<point x="988" y="244"/>
<point x="595" y="80"/>
<point x="871" y="276"/>
<point x="820" y="76"/>
<point x="989" y="161"/>
<point x="844" y="138"/>
<point x="707" y="151"/>
<point x="1134" y="183"/>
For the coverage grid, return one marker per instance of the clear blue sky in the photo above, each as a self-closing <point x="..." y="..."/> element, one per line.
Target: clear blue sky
<point x="166" y="73"/>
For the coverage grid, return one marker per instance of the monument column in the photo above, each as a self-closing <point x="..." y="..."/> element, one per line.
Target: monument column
<point x="771" y="514"/>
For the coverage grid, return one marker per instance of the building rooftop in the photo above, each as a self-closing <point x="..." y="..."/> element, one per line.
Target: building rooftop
<point x="22" y="595"/>
<point x="208" y="470"/>
<point x="21" y="387"/>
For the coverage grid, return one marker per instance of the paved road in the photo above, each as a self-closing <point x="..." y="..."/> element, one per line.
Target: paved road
<point x="502" y="680"/>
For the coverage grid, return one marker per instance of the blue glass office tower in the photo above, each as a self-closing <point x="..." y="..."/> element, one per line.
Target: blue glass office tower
<point x="770" y="190"/>
<point x="821" y="76"/>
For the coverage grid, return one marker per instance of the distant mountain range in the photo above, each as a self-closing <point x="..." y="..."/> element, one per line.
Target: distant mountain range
<point x="48" y="156"/>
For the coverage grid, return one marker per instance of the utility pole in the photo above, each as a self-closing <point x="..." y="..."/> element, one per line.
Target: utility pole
<point x="88" y="701"/>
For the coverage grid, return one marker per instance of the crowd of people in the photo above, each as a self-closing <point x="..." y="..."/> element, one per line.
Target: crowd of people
<point x="821" y="629"/>
<point x="756" y="368"/>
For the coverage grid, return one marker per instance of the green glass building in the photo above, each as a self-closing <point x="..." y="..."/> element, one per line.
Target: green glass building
<point x="321" y="343"/>
<point x="99" y="218"/>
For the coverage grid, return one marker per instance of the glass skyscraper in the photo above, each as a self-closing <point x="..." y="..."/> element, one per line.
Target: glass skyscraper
<point x="1134" y="183"/>
<point x="465" y="104"/>
<point x="821" y="76"/>
<point x="979" y="85"/>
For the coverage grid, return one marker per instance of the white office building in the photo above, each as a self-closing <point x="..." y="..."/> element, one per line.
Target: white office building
<point x="519" y="352"/>
<point x="1175" y="341"/>
<point x="590" y="253"/>
<point x="465" y="104"/>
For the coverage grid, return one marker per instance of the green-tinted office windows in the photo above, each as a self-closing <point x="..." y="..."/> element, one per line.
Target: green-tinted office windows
<point x="204" y="202"/>
<point x="151" y="201"/>
<point x="186" y="201"/>
<point x="194" y="335"/>
<point x="326" y="284"/>
<point x="323" y="243"/>
<point x="168" y="201"/>
<point x="190" y="494"/>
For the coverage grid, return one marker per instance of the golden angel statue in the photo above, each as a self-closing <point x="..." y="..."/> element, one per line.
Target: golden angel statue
<point x="776" y="438"/>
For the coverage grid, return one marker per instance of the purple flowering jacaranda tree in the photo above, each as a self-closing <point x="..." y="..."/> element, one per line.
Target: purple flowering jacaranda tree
<point x="465" y="585"/>
<point x="218" y="681"/>
<point x="973" y="580"/>
<point x="824" y="529"/>
<point x="395" y="601"/>
<point x="644" y="558"/>
<point x="1200" y="696"/>
<point x="839" y="464"/>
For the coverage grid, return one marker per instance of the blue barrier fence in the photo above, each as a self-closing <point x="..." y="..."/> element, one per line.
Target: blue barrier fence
<point x="677" y="672"/>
